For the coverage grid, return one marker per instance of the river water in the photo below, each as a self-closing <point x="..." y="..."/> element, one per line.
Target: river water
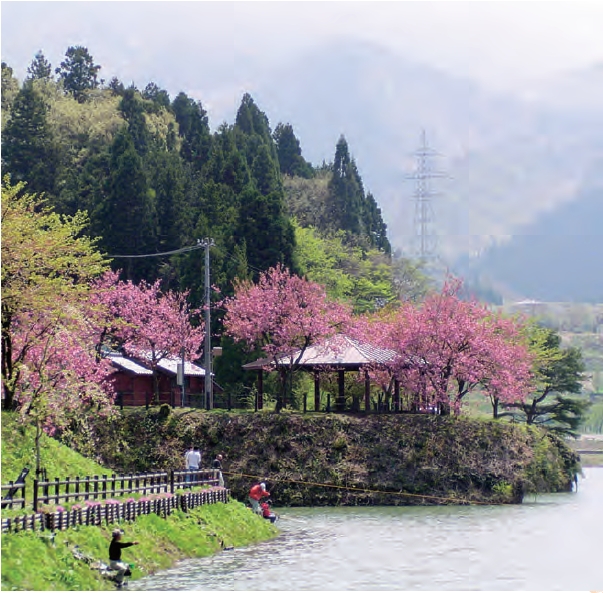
<point x="549" y="543"/>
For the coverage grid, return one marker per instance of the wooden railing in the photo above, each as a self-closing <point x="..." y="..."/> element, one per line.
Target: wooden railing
<point x="103" y="487"/>
<point x="114" y="512"/>
<point x="9" y="500"/>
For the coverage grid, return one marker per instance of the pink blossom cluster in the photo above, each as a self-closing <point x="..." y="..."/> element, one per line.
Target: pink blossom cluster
<point x="447" y="347"/>
<point x="282" y="313"/>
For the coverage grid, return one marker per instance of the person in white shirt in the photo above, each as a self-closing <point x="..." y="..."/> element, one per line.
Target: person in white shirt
<point x="193" y="463"/>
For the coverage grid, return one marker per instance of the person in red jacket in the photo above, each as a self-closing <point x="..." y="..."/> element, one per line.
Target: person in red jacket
<point x="267" y="512"/>
<point x="255" y="495"/>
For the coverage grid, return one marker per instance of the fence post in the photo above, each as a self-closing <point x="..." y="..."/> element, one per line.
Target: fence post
<point x="35" y="495"/>
<point x="172" y="481"/>
<point x="57" y="487"/>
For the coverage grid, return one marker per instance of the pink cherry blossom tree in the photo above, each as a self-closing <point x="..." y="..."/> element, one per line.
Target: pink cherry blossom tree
<point x="283" y="314"/>
<point x="146" y="323"/>
<point x="448" y="347"/>
<point x="61" y="379"/>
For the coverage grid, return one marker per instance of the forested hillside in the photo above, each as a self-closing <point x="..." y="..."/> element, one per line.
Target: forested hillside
<point x="155" y="180"/>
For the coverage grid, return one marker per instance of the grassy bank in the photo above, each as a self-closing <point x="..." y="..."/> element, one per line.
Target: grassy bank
<point x="33" y="561"/>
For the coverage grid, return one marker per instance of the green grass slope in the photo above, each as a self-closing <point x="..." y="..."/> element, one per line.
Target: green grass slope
<point x="32" y="561"/>
<point x="18" y="451"/>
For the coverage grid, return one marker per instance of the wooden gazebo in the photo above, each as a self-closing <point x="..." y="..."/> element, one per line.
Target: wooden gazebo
<point x="339" y="354"/>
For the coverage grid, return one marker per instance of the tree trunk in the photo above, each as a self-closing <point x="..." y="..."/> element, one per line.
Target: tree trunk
<point x="37" y="444"/>
<point x="495" y="403"/>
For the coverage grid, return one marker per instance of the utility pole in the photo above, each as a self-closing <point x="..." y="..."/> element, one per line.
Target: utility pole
<point x="209" y="383"/>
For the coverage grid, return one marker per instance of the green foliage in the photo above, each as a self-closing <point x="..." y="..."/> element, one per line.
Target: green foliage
<point x="558" y="371"/>
<point x="10" y="89"/>
<point x="128" y="213"/>
<point x="154" y="178"/>
<point x="369" y="279"/>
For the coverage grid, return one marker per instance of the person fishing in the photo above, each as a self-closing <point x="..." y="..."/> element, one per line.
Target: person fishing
<point x="257" y="492"/>
<point x="115" y="562"/>
<point x="267" y="512"/>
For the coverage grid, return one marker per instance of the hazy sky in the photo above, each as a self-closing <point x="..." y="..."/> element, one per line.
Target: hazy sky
<point x="502" y="44"/>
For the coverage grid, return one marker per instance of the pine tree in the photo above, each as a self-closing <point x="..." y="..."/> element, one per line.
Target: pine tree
<point x="28" y="149"/>
<point x="193" y="128"/>
<point x="40" y="68"/>
<point x="289" y="153"/>
<point x="344" y="207"/>
<point x="128" y="213"/>
<point x="78" y="72"/>
<point x="268" y="234"/>
<point x="159" y="96"/>
<point x="133" y="111"/>
<point x="376" y="229"/>
<point x="10" y="89"/>
<point x="265" y="172"/>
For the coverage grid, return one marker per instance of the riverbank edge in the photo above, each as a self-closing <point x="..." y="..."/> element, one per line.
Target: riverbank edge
<point x="35" y="561"/>
<point x="345" y="459"/>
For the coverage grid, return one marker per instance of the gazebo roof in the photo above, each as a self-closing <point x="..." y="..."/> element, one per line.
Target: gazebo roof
<point x="340" y="352"/>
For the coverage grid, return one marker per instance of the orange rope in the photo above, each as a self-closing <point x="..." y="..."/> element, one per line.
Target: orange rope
<point x="369" y="490"/>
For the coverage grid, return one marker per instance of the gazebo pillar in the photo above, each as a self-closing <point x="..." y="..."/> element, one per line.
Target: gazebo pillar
<point x="396" y="395"/>
<point x="367" y="392"/>
<point x="260" y="389"/>
<point x="340" y="401"/>
<point x="317" y="392"/>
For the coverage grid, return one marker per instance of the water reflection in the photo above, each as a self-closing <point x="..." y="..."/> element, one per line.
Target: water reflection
<point x="549" y="543"/>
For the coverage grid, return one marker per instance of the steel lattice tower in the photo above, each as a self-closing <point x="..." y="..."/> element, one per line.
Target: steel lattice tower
<point x="425" y="247"/>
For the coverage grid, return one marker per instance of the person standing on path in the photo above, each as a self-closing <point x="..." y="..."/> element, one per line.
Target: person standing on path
<point x="217" y="464"/>
<point x="115" y="562"/>
<point x="255" y="495"/>
<point x="188" y="456"/>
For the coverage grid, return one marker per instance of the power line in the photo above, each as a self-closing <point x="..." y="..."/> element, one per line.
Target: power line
<point x="173" y="252"/>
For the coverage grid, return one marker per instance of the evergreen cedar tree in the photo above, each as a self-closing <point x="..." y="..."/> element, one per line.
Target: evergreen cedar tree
<point x="40" y="68"/>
